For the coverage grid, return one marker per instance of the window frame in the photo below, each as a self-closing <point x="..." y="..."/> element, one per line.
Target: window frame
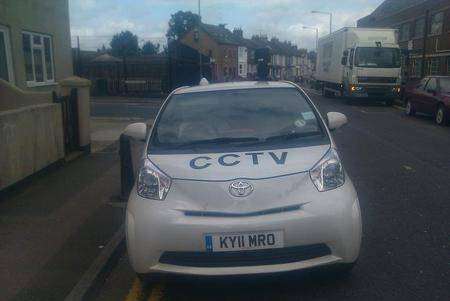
<point x="430" y="33"/>
<point x="416" y="36"/>
<point x="46" y="81"/>
<point x="402" y="32"/>
<point x="9" y="59"/>
<point x="448" y="65"/>
<point x="431" y="64"/>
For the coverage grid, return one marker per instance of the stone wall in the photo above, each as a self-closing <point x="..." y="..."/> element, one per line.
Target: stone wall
<point x="12" y="98"/>
<point x="31" y="138"/>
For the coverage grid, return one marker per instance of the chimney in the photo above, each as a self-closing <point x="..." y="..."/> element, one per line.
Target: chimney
<point x="238" y="32"/>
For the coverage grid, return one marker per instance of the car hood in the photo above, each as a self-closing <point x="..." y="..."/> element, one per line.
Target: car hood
<point x="239" y="165"/>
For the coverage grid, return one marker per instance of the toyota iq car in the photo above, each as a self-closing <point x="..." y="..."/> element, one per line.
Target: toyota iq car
<point x="241" y="178"/>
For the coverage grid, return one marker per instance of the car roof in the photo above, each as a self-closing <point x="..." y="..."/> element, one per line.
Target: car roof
<point x="235" y="86"/>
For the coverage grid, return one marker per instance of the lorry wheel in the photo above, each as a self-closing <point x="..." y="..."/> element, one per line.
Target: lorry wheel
<point x="441" y="118"/>
<point x="410" y="110"/>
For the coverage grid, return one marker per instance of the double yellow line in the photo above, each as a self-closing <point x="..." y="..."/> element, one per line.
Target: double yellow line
<point x="136" y="292"/>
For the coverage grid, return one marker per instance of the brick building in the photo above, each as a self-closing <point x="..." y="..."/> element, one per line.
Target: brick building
<point x="424" y="33"/>
<point x="220" y="45"/>
<point x="232" y="57"/>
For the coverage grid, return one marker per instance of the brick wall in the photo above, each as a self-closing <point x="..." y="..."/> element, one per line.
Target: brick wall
<point x="224" y="55"/>
<point x="437" y="54"/>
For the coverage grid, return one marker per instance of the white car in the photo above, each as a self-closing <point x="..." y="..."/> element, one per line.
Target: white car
<point x="241" y="178"/>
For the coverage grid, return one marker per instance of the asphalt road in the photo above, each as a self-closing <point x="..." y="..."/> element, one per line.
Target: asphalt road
<point x="400" y="167"/>
<point x="123" y="109"/>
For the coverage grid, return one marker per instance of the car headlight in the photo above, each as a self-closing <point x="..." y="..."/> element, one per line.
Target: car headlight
<point x="152" y="183"/>
<point x="328" y="173"/>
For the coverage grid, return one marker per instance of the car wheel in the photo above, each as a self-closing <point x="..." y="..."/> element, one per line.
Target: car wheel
<point x="410" y="110"/>
<point x="441" y="117"/>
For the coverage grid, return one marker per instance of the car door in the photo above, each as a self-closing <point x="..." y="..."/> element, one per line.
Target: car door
<point x="429" y="98"/>
<point x="418" y="93"/>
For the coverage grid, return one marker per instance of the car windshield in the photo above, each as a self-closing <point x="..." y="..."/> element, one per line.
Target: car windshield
<point x="445" y="85"/>
<point x="236" y="119"/>
<point x="376" y="57"/>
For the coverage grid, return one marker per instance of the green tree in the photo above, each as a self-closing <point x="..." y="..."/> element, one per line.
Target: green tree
<point x="180" y="23"/>
<point x="150" y="48"/>
<point x="124" y="44"/>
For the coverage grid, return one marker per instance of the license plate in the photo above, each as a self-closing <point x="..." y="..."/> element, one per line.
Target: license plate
<point x="223" y="242"/>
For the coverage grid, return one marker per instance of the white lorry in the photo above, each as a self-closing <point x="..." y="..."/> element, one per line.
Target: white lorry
<point x="360" y="63"/>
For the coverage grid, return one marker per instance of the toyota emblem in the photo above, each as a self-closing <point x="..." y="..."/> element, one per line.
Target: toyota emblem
<point x="240" y="188"/>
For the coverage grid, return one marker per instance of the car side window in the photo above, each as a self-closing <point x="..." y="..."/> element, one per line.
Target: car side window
<point x="422" y="84"/>
<point x="431" y="85"/>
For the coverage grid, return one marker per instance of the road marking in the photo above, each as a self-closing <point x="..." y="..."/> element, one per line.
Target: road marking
<point x="408" y="168"/>
<point x="157" y="292"/>
<point x="135" y="292"/>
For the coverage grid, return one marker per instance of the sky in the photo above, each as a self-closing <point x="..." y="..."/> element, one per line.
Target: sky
<point x="96" y="21"/>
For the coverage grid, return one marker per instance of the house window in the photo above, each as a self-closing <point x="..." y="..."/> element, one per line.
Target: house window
<point x="6" y="69"/>
<point x="419" y="28"/>
<point x="38" y="56"/>
<point x="437" y="21"/>
<point x="448" y="65"/>
<point x="435" y="64"/>
<point x="404" y="32"/>
<point x="416" y="68"/>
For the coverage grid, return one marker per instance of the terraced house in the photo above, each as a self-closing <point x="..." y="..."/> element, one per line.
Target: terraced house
<point x="232" y="57"/>
<point x="35" y="47"/>
<point x="424" y="33"/>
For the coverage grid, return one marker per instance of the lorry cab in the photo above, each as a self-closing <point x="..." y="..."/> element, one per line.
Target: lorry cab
<point x="372" y="70"/>
<point x="360" y="63"/>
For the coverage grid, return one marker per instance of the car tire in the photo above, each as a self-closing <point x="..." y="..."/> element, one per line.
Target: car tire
<point x="410" y="110"/>
<point x="441" y="117"/>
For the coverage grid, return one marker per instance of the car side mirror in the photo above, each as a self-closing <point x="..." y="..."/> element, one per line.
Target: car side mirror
<point x="336" y="120"/>
<point x="136" y="131"/>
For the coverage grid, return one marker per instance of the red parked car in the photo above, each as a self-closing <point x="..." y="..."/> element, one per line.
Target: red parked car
<point x="430" y="96"/>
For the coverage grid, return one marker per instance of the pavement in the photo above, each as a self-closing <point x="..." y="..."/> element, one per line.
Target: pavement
<point x="56" y="228"/>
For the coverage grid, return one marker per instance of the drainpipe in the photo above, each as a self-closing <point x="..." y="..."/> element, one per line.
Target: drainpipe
<point x="424" y="48"/>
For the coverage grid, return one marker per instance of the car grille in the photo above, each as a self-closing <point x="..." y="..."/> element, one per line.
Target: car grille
<point x="246" y="214"/>
<point x="245" y="258"/>
<point x="377" y="90"/>
<point x="376" y="79"/>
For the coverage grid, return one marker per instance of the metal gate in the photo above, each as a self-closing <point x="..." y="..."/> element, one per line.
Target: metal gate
<point x="69" y="107"/>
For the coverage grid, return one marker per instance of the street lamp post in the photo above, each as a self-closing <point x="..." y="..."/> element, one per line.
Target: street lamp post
<point x="324" y="13"/>
<point x="317" y="34"/>
<point x="199" y="44"/>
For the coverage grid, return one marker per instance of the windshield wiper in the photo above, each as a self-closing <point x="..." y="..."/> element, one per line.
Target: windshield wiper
<point x="290" y="136"/>
<point x="222" y="140"/>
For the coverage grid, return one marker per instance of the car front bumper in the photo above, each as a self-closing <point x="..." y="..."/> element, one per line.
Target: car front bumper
<point x="154" y="227"/>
